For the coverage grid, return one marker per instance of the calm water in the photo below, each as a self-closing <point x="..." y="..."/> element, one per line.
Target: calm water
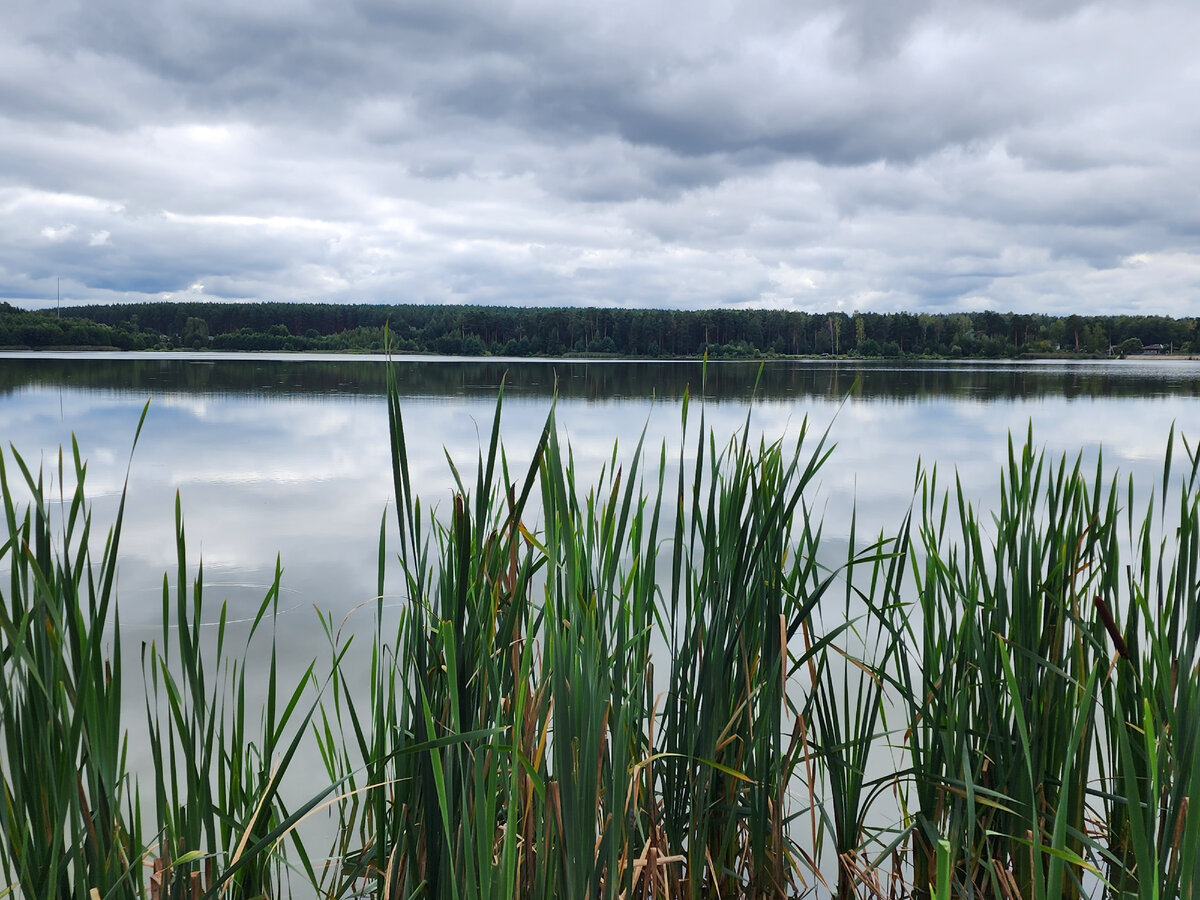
<point x="289" y="455"/>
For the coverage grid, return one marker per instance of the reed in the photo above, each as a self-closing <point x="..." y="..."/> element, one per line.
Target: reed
<point x="216" y="778"/>
<point x="632" y="684"/>
<point x="1030" y="739"/>
<point x="848" y="714"/>
<point x="1152" y="697"/>
<point x="68" y="821"/>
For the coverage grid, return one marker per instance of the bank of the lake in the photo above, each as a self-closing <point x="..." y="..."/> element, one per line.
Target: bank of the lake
<point x="528" y="332"/>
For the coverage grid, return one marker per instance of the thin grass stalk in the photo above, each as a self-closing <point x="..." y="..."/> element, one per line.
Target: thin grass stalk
<point x="1002" y="723"/>
<point x="68" y="821"/>
<point x="217" y="773"/>
<point x="600" y="590"/>
<point x="736" y="578"/>
<point x="1153" y="702"/>
<point x="430" y="820"/>
<point x="847" y="705"/>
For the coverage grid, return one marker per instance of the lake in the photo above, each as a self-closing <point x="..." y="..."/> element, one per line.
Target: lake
<point x="288" y="455"/>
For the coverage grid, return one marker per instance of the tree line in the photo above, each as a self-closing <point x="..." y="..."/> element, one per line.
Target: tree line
<point x="568" y="331"/>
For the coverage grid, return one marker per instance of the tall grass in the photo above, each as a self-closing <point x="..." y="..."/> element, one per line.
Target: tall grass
<point x="216" y="777"/>
<point x="68" y="822"/>
<point x="1042" y="747"/>
<point x="1002" y="693"/>
<point x="655" y="680"/>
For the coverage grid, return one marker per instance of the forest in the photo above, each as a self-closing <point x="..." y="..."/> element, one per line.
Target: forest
<point x="578" y="331"/>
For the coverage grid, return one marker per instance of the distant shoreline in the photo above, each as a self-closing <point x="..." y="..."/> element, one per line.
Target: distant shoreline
<point x="596" y="333"/>
<point x="583" y="358"/>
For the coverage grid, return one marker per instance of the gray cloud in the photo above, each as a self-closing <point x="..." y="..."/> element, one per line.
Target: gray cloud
<point x="921" y="154"/>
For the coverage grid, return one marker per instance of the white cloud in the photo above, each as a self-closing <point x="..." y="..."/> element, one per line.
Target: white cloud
<point x="806" y="154"/>
<point x="60" y="233"/>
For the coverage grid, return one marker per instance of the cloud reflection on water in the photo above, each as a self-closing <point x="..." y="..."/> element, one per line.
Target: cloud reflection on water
<point x="307" y="476"/>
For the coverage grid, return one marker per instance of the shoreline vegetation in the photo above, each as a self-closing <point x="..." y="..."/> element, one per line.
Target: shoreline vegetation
<point x="594" y="333"/>
<point x="631" y="684"/>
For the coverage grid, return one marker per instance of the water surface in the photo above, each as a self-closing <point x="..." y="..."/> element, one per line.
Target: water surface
<point x="288" y="455"/>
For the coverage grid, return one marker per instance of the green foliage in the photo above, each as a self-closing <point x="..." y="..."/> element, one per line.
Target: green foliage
<point x="40" y="330"/>
<point x="195" y="332"/>
<point x="538" y="331"/>
<point x="68" y="821"/>
<point x="1130" y="346"/>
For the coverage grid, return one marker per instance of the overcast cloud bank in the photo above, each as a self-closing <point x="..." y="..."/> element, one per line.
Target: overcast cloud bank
<point x="1025" y="155"/>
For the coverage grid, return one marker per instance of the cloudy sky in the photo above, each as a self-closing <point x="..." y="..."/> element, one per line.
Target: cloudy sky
<point x="1026" y="155"/>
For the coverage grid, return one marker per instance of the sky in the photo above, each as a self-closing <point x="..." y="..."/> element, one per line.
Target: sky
<point x="883" y="155"/>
